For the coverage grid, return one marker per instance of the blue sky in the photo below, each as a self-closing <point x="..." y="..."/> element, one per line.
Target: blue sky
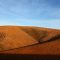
<point x="43" y="13"/>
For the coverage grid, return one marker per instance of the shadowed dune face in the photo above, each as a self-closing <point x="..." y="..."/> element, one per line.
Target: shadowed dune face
<point x="36" y="33"/>
<point x="12" y="37"/>
<point x="42" y="35"/>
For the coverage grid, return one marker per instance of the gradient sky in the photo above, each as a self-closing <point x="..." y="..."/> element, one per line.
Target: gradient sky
<point x="43" y="13"/>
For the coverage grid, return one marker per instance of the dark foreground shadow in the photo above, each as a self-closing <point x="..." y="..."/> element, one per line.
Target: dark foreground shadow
<point x="28" y="57"/>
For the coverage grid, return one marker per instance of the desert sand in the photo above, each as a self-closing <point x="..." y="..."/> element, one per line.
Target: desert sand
<point x="29" y="40"/>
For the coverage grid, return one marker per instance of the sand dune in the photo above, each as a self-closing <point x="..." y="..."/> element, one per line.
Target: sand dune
<point x="13" y="37"/>
<point x="29" y="40"/>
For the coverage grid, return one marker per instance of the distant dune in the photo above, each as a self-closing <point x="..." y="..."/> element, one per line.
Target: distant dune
<point x="29" y="40"/>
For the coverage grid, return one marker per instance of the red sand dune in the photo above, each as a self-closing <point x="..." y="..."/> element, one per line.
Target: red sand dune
<point x="29" y="40"/>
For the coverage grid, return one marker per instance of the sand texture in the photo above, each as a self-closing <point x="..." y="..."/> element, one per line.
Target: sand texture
<point x="29" y="40"/>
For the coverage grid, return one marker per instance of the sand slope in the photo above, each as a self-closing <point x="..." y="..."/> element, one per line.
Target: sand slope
<point x="29" y="40"/>
<point x="13" y="37"/>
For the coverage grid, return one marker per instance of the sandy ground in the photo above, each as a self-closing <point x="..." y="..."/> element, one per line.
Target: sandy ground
<point x="29" y="40"/>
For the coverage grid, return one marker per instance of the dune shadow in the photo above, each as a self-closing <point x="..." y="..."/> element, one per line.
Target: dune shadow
<point x="29" y="57"/>
<point x="56" y="37"/>
<point x="40" y="34"/>
<point x="36" y="33"/>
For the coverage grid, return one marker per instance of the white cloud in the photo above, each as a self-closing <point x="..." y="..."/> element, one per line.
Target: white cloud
<point x="55" y="24"/>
